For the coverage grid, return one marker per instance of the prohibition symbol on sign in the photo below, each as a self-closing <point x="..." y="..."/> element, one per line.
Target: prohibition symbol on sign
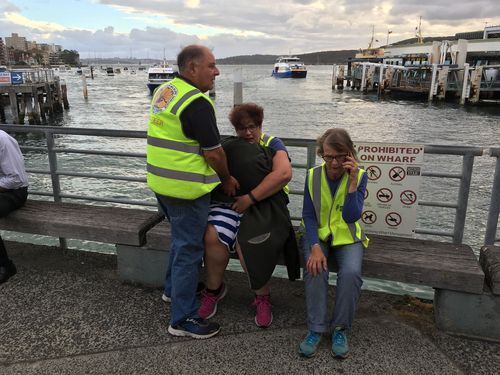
<point x="369" y="217"/>
<point x="408" y="197"/>
<point x="393" y="219"/>
<point x="373" y="172"/>
<point x="384" y="195"/>
<point x="397" y="174"/>
<point x="366" y="194"/>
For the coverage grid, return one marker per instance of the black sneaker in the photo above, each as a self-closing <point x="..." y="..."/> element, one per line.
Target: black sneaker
<point x="194" y="327"/>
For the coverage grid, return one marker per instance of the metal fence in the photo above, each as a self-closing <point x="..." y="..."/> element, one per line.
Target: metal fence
<point x="57" y="171"/>
<point x="491" y="227"/>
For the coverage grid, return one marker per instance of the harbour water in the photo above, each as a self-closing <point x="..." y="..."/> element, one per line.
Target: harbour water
<point x="293" y="109"/>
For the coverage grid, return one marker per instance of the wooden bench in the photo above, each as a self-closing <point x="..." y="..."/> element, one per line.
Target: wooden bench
<point x="490" y="262"/>
<point x="423" y="262"/>
<point x="82" y="221"/>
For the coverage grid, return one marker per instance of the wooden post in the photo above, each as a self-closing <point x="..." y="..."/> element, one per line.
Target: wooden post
<point x="49" y="99"/>
<point x="334" y="76"/>
<point x="475" y="84"/>
<point x="238" y="87"/>
<point x="380" y="87"/>
<point x="85" y="91"/>
<point x="363" y="77"/>
<point x="92" y="71"/>
<point x="442" y="82"/>
<point x="64" y="94"/>
<point x="42" y="107"/>
<point x="13" y="106"/>
<point x="465" y="83"/>
<point x="29" y="108"/>
<point x="433" y="82"/>
<point x="36" y="104"/>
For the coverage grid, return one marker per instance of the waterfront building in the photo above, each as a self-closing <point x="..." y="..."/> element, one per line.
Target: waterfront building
<point x="15" y="41"/>
<point x="3" y="53"/>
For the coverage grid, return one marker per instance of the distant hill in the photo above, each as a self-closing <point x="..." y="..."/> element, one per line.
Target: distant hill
<point x="318" y="58"/>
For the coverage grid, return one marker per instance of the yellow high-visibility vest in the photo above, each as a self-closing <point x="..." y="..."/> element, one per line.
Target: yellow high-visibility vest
<point x="265" y="140"/>
<point x="328" y="209"/>
<point x="175" y="164"/>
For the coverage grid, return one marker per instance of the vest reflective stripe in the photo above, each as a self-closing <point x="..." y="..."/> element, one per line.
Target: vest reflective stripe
<point x="182" y="175"/>
<point x="182" y="100"/>
<point x="265" y="140"/>
<point x="175" y="164"/>
<point x="174" y="145"/>
<point x="328" y="210"/>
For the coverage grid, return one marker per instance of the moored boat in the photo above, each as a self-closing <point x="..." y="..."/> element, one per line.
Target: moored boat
<point x="158" y="75"/>
<point x="289" y="67"/>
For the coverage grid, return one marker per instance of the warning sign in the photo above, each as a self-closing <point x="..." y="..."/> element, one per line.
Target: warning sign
<point x="4" y="78"/>
<point x="394" y="172"/>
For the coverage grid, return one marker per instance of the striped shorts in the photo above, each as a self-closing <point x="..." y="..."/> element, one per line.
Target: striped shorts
<point x="226" y="222"/>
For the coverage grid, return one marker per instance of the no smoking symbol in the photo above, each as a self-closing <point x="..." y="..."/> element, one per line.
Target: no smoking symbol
<point x="397" y="174"/>
<point x="373" y="172"/>
<point x="369" y="217"/>
<point x="393" y="219"/>
<point x="408" y="197"/>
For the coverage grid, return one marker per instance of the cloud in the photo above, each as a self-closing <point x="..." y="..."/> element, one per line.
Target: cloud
<point x="236" y="27"/>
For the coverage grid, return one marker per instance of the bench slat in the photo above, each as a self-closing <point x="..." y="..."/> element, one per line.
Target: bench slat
<point x="82" y="221"/>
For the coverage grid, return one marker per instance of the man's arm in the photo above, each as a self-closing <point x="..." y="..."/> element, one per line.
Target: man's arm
<point x="216" y="158"/>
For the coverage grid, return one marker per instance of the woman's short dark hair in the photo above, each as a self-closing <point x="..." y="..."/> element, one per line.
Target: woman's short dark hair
<point x="190" y="53"/>
<point x="250" y="110"/>
<point x="337" y="139"/>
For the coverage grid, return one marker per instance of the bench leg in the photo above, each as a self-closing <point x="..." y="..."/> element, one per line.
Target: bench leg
<point x="142" y="265"/>
<point x="466" y="314"/>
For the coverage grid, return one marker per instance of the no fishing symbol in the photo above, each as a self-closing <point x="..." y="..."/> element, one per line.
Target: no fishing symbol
<point x="384" y="195"/>
<point x="373" y="172"/>
<point x="408" y="197"/>
<point x="397" y="174"/>
<point x="393" y="219"/>
<point x="369" y="217"/>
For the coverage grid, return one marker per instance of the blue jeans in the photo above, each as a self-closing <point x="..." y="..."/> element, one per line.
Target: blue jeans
<point x="188" y="219"/>
<point x="349" y="259"/>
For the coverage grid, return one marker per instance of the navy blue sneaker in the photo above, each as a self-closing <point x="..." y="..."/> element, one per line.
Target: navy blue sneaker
<point x="340" y="347"/>
<point x="194" y="327"/>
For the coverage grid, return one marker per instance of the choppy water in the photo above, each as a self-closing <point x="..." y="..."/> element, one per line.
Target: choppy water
<point x="293" y="108"/>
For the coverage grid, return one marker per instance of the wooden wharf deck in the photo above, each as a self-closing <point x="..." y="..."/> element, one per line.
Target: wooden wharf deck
<point x="39" y="93"/>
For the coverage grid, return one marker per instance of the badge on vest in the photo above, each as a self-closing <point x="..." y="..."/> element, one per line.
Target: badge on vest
<point x="163" y="98"/>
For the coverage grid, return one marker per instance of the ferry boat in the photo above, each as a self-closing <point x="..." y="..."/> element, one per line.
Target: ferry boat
<point x="289" y="67"/>
<point x="158" y="75"/>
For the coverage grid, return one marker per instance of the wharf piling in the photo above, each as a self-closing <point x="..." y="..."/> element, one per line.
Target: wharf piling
<point x="238" y="88"/>
<point x="32" y="94"/>
<point x="472" y="85"/>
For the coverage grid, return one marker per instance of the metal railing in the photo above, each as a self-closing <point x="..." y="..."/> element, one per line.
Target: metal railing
<point x="56" y="172"/>
<point x="493" y="213"/>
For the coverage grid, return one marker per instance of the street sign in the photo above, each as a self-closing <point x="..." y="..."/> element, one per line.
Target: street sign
<point x="16" y="78"/>
<point x="4" y="78"/>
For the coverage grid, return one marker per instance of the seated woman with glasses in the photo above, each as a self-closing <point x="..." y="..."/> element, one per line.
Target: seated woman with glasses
<point x="333" y="203"/>
<point x="262" y="167"/>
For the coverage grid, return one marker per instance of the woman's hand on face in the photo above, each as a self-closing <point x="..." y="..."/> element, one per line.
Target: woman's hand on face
<point x="241" y="203"/>
<point x="316" y="263"/>
<point x="350" y="165"/>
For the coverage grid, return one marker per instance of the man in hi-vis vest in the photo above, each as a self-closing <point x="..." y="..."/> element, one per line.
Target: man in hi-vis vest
<point x="185" y="162"/>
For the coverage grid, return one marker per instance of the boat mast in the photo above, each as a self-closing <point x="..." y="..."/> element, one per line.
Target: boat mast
<point x="420" y="39"/>
<point x="371" y="40"/>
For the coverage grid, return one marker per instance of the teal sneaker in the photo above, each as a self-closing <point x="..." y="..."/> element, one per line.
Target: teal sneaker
<point x="308" y="347"/>
<point x="340" y="347"/>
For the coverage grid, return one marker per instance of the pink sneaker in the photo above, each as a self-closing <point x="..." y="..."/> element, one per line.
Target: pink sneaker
<point x="209" y="301"/>
<point x="263" y="315"/>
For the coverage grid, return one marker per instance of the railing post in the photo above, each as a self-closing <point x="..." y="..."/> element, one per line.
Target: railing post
<point x="463" y="198"/>
<point x="56" y="187"/>
<point x="494" y="211"/>
<point x="311" y="156"/>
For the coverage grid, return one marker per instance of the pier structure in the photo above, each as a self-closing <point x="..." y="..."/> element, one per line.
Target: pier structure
<point x="31" y="93"/>
<point x="465" y="70"/>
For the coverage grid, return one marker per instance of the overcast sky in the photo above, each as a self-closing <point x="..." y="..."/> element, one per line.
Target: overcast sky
<point x="146" y="28"/>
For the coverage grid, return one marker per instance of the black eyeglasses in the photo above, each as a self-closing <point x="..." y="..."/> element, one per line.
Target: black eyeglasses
<point x="252" y="128"/>
<point x="329" y="158"/>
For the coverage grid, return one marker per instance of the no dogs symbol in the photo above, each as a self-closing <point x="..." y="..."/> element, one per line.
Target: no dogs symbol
<point x="369" y="217"/>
